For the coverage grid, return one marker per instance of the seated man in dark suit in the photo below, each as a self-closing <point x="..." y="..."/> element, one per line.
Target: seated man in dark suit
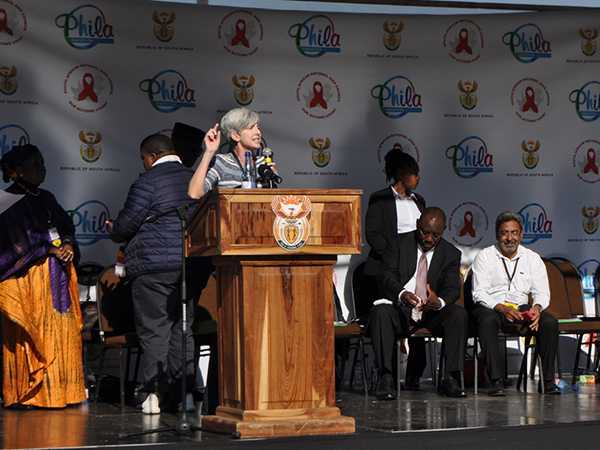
<point x="421" y="283"/>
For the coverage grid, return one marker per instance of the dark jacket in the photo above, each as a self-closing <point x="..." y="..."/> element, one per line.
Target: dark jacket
<point x="381" y="226"/>
<point x="153" y="243"/>
<point x="442" y="275"/>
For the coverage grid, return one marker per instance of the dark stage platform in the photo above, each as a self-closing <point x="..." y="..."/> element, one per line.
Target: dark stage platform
<point x="421" y="420"/>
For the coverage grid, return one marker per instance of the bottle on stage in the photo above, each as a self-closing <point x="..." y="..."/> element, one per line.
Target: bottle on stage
<point x="249" y="175"/>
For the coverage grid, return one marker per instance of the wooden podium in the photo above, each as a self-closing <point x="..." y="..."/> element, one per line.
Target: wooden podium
<point x="274" y="251"/>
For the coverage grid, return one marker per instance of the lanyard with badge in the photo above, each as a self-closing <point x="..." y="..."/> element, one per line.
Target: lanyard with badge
<point x="511" y="296"/>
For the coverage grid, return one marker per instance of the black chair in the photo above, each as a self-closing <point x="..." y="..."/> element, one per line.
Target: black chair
<point x="116" y="328"/>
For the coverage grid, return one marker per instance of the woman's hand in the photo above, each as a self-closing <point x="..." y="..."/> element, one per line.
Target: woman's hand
<point x="212" y="140"/>
<point x="64" y="253"/>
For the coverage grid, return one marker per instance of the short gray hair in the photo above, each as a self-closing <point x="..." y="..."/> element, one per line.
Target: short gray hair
<point x="236" y="120"/>
<point x="508" y="216"/>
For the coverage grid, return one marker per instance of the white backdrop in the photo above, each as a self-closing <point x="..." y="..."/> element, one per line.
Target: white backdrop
<point x="500" y="110"/>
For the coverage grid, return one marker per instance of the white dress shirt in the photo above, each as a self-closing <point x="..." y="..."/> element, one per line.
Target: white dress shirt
<point x="167" y="158"/>
<point x="491" y="284"/>
<point x="411" y="285"/>
<point x="407" y="213"/>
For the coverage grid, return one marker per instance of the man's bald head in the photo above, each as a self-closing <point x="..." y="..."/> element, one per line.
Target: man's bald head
<point x="430" y="227"/>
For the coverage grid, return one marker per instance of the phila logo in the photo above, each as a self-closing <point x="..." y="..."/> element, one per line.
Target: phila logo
<point x="586" y="160"/>
<point x="168" y="91"/>
<point x="530" y="100"/>
<point x="320" y="151"/>
<point x="316" y="36"/>
<point x="587" y="101"/>
<point x="243" y="91"/>
<point x="536" y="223"/>
<point x="90" y="148"/>
<point x="590" y="218"/>
<point x="85" y="27"/>
<point x="464" y="41"/>
<point x="527" y="43"/>
<point x="470" y="157"/>
<point x="89" y="219"/>
<point x="391" y="34"/>
<point x="241" y="32"/>
<point x="319" y="95"/>
<point x="8" y="80"/>
<point x="467" y="97"/>
<point x="291" y="227"/>
<point x="589" y="44"/>
<point x="13" y="22"/>
<point x="468" y="224"/>
<point x="11" y="135"/>
<point x="400" y="142"/>
<point x="88" y="88"/>
<point x="397" y="97"/>
<point x="164" y="25"/>
<point x="530" y="155"/>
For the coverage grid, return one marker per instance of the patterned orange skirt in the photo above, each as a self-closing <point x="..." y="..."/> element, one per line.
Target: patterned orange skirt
<point x="42" y="359"/>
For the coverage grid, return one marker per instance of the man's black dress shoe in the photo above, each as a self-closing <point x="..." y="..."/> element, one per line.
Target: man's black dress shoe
<point x="411" y="384"/>
<point x="450" y="388"/>
<point x="385" y="387"/>
<point x="497" y="388"/>
<point x="550" y="388"/>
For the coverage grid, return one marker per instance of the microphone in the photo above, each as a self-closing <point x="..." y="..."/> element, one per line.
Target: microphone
<point x="267" y="177"/>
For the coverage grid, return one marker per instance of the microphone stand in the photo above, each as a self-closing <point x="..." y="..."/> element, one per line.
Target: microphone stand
<point x="183" y="425"/>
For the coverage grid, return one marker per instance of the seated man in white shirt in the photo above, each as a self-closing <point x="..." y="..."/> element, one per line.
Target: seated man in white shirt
<point x="504" y="275"/>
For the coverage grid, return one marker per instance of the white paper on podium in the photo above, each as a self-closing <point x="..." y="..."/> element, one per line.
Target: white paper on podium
<point x="7" y="200"/>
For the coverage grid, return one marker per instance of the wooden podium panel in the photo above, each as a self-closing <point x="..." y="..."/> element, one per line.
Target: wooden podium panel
<point x="275" y="311"/>
<point x="240" y="222"/>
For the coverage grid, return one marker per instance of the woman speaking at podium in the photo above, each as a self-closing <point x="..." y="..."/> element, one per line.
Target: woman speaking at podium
<point x="240" y="126"/>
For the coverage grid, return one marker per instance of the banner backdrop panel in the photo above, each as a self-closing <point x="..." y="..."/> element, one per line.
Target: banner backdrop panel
<point x="501" y="111"/>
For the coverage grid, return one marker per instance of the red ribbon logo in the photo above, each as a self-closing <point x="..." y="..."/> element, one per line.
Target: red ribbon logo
<point x="88" y="88"/>
<point x="240" y="34"/>
<point x="468" y="227"/>
<point x="590" y="165"/>
<point x="4" y="23"/>
<point x="463" y="42"/>
<point x="529" y="100"/>
<point x="318" y="98"/>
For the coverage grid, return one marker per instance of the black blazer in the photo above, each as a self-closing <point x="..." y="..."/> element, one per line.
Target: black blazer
<point x="442" y="275"/>
<point x="381" y="225"/>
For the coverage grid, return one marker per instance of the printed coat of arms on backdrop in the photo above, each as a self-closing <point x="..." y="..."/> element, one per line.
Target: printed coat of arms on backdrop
<point x="243" y="91"/>
<point x="90" y="148"/>
<point x="291" y="227"/>
<point x="590" y="219"/>
<point x="8" y="82"/>
<point x="530" y="156"/>
<point x="164" y="25"/>
<point x="320" y="154"/>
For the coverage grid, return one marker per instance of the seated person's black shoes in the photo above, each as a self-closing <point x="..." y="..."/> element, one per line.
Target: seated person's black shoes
<point x="450" y="388"/>
<point x="411" y="384"/>
<point x="497" y="388"/>
<point x="550" y="388"/>
<point x="385" y="387"/>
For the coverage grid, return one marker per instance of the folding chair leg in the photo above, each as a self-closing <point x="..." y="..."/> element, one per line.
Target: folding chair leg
<point x="138" y="358"/>
<point x="576" y="363"/>
<point x="99" y="375"/>
<point x="363" y="365"/>
<point x="541" y="387"/>
<point x="475" y="367"/>
<point x="122" y="371"/>
<point x="399" y="362"/>
<point x="523" y="370"/>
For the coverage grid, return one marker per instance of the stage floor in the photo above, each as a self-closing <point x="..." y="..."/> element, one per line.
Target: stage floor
<point x="417" y="415"/>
